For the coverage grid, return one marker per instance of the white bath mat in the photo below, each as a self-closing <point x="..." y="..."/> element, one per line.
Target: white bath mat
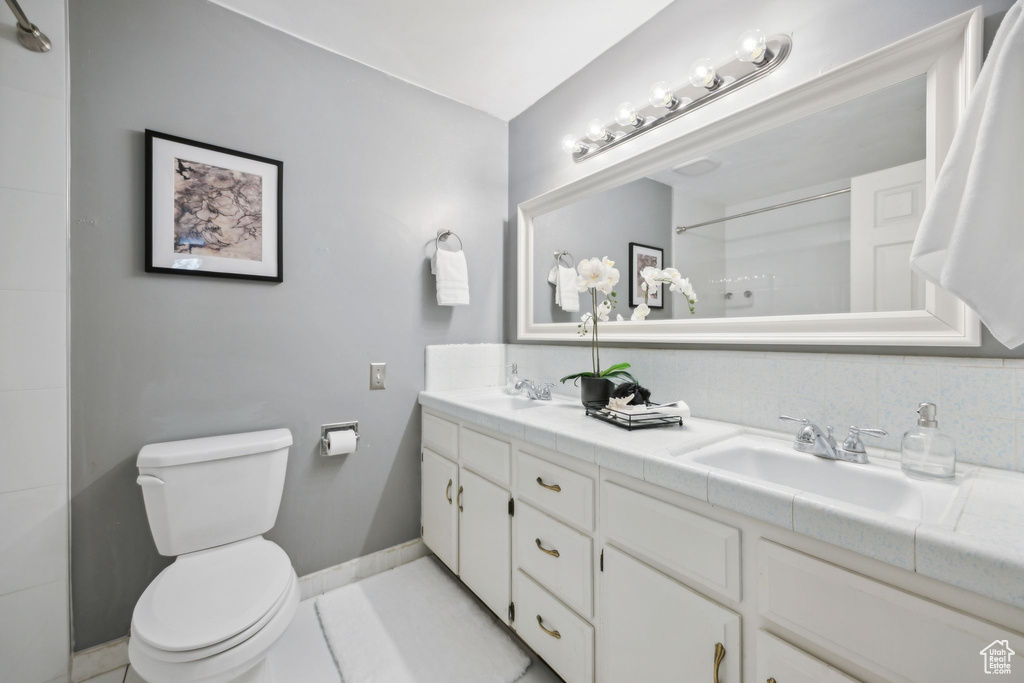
<point x="416" y="624"/>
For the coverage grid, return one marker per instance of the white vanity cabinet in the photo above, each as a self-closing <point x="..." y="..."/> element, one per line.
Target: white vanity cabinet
<point x="655" y="629"/>
<point x="610" y="578"/>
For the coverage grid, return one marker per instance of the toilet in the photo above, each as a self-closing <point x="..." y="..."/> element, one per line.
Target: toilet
<point x="213" y="615"/>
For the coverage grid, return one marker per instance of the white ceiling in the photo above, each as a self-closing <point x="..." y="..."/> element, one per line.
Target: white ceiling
<point x="498" y="56"/>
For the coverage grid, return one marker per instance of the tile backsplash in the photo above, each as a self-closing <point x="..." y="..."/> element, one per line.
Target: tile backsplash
<point x="980" y="400"/>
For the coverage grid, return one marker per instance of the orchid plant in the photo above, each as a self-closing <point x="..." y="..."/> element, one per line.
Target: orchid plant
<point x="598" y="276"/>
<point x="652" y="277"/>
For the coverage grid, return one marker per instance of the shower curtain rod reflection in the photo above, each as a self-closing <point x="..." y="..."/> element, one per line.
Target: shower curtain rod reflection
<point x="684" y="228"/>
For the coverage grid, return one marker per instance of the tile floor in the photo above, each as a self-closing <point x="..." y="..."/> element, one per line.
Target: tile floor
<point x="302" y="655"/>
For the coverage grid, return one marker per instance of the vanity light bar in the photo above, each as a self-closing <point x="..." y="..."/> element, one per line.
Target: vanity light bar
<point x="756" y="57"/>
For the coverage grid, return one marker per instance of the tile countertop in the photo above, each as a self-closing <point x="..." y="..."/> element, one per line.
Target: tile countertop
<point x="982" y="549"/>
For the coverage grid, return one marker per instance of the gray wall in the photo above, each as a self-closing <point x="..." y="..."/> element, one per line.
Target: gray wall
<point x="825" y="35"/>
<point x="602" y="225"/>
<point x="373" y="166"/>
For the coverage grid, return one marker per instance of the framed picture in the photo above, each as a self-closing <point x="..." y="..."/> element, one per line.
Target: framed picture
<point x="212" y="211"/>
<point x="640" y="257"/>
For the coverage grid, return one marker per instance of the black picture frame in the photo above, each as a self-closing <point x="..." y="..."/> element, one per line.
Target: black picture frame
<point x="278" y="275"/>
<point x="636" y="295"/>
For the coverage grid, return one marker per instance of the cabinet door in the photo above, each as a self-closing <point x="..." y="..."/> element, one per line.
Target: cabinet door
<point x="485" y="543"/>
<point x="655" y="629"/>
<point x="439" y="517"/>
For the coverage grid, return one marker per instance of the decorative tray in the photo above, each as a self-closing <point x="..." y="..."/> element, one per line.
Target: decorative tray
<point x="631" y="421"/>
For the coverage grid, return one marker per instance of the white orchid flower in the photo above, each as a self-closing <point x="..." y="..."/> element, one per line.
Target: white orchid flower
<point x="618" y="317"/>
<point x="581" y="285"/>
<point x="612" y="273"/>
<point x="608" y="263"/>
<point x="592" y="271"/>
<point x="603" y="310"/>
<point x="671" y="274"/>
<point x="586" y="317"/>
<point x="640" y="312"/>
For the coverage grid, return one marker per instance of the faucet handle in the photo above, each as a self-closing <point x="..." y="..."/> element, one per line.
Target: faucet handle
<point x="806" y="434"/>
<point x="853" y="444"/>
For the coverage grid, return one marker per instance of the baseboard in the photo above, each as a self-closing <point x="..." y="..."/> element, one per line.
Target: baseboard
<point x="114" y="654"/>
<point x="99" y="660"/>
<point x="340" y="575"/>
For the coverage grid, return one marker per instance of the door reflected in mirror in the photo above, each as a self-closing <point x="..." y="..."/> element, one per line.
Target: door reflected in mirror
<point x="815" y="216"/>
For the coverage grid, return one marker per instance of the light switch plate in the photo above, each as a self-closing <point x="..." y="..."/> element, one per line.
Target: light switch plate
<point x="378" y="375"/>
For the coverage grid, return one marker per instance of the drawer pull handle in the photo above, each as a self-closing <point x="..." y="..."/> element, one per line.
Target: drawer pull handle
<point x="554" y="634"/>
<point x="552" y="552"/>
<point x="458" y="498"/>
<point x="719" y="656"/>
<point x="550" y="487"/>
<point x="448" y="492"/>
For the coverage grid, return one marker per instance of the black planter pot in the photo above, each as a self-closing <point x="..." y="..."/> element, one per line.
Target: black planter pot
<point x="595" y="390"/>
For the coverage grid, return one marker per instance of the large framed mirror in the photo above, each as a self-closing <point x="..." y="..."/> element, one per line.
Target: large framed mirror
<point x="793" y="220"/>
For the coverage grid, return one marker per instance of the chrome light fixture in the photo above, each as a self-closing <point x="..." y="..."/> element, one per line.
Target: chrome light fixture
<point x="755" y="57"/>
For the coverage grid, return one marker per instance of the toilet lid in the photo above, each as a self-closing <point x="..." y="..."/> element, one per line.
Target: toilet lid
<point x="211" y="595"/>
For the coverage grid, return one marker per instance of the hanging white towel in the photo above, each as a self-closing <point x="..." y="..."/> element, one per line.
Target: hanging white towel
<point x="452" y="274"/>
<point x="566" y="294"/>
<point x="971" y="238"/>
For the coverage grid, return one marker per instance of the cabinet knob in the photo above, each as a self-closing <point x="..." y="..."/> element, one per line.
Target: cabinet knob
<point x="552" y="552"/>
<point x="554" y="634"/>
<point x="448" y="492"/>
<point x="770" y="680"/>
<point x="550" y="487"/>
<point x="719" y="656"/>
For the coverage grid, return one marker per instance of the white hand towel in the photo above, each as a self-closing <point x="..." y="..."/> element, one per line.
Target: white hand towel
<point x="452" y="277"/>
<point x="971" y="238"/>
<point x="566" y="294"/>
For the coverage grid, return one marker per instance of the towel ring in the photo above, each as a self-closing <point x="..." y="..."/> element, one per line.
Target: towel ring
<point x="443" y="235"/>
<point x="560" y="254"/>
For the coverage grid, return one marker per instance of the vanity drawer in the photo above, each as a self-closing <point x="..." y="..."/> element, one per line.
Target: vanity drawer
<point x="779" y="661"/>
<point x="698" y="548"/>
<point x="487" y="456"/>
<point x="440" y="435"/>
<point x="560" y="558"/>
<point x="555" y="489"/>
<point x="571" y="653"/>
<point x="895" y="635"/>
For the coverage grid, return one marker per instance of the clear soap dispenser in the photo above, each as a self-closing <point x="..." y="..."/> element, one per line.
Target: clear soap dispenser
<point x="928" y="453"/>
<point x="512" y="381"/>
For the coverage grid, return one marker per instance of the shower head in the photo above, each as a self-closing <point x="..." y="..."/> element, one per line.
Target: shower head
<point x="33" y="39"/>
<point x="29" y="34"/>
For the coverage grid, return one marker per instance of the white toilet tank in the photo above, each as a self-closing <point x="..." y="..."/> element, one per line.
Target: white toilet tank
<point x="202" y="493"/>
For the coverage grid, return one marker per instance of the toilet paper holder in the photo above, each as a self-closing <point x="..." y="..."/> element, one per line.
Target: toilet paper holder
<point x="336" y="427"/>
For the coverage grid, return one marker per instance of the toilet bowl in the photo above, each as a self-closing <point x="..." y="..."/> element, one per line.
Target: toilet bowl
<point x="213" y="615"/>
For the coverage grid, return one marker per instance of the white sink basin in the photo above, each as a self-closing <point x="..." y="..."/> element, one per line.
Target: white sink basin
<point x="877" y="486"/>
<point x="507" y="402"/>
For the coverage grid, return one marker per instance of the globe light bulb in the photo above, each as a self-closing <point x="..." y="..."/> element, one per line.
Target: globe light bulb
<point x="625" y="115"/>
<point x="597" y="132"/>
<point x="751" y="47"/>
<point x="702" y="74"/>
<point x="661" y="95"/>
<point x="571" y="145"/>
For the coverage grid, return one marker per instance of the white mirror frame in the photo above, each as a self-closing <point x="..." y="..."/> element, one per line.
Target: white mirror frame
<point x="950" y="53"/>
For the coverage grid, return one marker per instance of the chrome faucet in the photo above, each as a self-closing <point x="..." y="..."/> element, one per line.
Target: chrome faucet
<point x="542" y="393"/>
<point x="810" y="439"/>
